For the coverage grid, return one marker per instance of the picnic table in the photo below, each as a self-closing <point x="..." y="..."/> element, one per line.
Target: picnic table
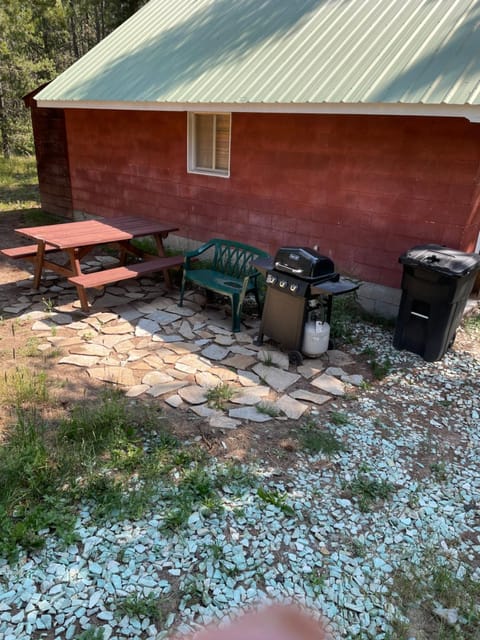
<point x="77" y="239"/>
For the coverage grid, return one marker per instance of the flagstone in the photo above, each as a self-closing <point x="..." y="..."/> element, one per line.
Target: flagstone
<point x="178" y="375"/>
<point x="117" y="329"/>
<point x="185" y="368"/>
<point x="79" y="325"/>
<point x="248" y="413"/>
<point x="104" y="317"/>
<point x="338" y="372"/>
<point x="204" y="411"/>
<point x="316" y="398"/>
<point x="193" y="394"/>
<point x="115" y="374"/>
<point x="162" y="317"/>
<point x="311" y="368"/>
<point x="224" y="340"/>
<point x="79" y="360"/>
<point x="163" y="337"/>
<point x="251" y="395"/>
<point x="225" y="374"/>
<point x="125" y="346"/>
<point x="247" y="378"/>
<point x="42" y="325"/>
<point x="185" y="330"/>
<point x="156" y="377"/>
<point x="244" y="351"/>
<point x="16" y="308"/>
<point x="355" y="379"/>
<point x="146" y="327"/>
<point x="111" y="340"/>
<point x="184" y="311"/>
<point x="197" y="361"/>
<point x="223" y="422"/>
<point x="137" y="354"/>
<point x="330" y="384"/>
<point x="206" y="379"/>
<point x="215" y="352"/>
<point x="89" y="349"/>
<point x="239" y="361"/>
<point x="168" y="387"/>
<point x="276" y="378"/>
<point x="215" y="329"/>
<point x="137" y="390"/>
<point x="274" y="357"/>
<point x="291" y="407"/>
<point x="181" y="348"/>
<point x="174" y="401"/>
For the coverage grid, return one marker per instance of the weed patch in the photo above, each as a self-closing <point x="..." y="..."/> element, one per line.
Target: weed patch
<point x="219" y="396"/>
<point x="315" y="440"/>
<point x="368" y="491"/>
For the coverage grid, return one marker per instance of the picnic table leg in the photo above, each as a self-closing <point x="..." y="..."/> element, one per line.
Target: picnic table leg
<point x="76" y="267"/>
<point x="161" y="252"/>
<point x="39" y="264"/>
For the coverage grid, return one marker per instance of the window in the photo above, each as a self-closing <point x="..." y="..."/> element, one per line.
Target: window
<point x="209" y="143"/>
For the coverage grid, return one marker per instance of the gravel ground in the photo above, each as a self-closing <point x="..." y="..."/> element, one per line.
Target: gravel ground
<point x="331" y="532"/>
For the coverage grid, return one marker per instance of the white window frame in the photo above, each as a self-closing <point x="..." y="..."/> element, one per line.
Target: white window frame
<point x="191" y="145"/>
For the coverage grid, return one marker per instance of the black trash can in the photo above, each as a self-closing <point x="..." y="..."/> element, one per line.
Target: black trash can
<point x="436" y="284"/>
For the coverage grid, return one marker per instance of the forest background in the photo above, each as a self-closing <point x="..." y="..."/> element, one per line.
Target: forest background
<point x="38" y="40"/>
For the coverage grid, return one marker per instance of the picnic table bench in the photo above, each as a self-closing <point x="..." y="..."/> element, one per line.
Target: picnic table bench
<point x="230" y="272"/>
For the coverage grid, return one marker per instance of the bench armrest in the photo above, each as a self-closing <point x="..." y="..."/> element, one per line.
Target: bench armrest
<point x="188" y="255"/>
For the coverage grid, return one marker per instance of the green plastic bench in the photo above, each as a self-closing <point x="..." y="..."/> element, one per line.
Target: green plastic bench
<point x="231" y="273"/>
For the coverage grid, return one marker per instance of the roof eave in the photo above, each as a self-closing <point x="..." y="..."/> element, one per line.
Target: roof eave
<point x="470" y="112"/>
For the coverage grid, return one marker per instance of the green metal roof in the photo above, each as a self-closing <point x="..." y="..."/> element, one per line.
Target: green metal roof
<point x="283" y="54"/>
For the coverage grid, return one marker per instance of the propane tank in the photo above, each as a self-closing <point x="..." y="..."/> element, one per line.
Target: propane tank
<point x="316" y="336"/>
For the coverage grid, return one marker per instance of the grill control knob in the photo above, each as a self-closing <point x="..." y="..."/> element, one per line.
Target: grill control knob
<point x="271" y="279"/>
<point x="293" y="287"/>
<point x="283" y="284"/>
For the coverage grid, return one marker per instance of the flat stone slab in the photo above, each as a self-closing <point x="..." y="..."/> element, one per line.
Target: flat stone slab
<point x="248" y="413"/>
<point x="338" y="372"/>
<point x="225" y="374"/>
<point x="79" y="360"/>
<point x="223" y="422"/>
<point x="247" y="378"/>
<point x="156" y="377"/>
<point x="311" y="367"/>
<point x="204" y="411"/>
<point x="162" y="317"/>
<point x="43" y="325"/>
<point x="239" y="361"/>
<point x="118" y="329"/>
<point x="90" y="349"/>
<point x="137" y="390"/>
<point x="355" y="379"/>
<point x="146" y="327"/>
<point x="276" y="378"/>
<point x="291" y="407"/>
<point x="330" y="384"/>
<point x="186" y="331"/>
<point x="215" y="352"/>
<point x="174" y="401"/>
<point x="167" y="387"/>
<point x="193" y="394"/>
<point x="251" y="395"/>
<point x="207" y="379"/>
<point x="225" y="340"/>
<point x="309" y="396"/>
<point x="273" y="357"/>
<point x="182" y="348"/>
<point x="115" y="374"/>
<point x="61" y="318"/>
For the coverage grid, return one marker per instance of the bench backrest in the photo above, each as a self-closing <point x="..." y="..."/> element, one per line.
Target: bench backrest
<point x="235" y="258"/>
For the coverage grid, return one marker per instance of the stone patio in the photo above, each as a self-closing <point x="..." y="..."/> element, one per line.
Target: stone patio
<point x="138" y="338"/>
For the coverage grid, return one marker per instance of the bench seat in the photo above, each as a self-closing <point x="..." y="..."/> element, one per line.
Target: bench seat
<point x="25" y="252"/>
<point x="231" y="272"/>
<point x="99" y="279"/>
<point x="109" y="276"/>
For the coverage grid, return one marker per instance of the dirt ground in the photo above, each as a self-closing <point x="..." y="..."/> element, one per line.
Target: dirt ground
<point x="277" y="440"/>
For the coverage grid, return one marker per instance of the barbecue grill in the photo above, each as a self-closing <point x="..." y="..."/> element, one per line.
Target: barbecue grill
<point x="299" y="281"/>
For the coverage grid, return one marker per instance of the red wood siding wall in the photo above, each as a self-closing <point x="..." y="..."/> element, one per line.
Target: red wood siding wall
<point x="52" y="160"/>
<point x="362" y="188"/>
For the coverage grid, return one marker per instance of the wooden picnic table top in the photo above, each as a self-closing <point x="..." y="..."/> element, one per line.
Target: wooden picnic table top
<point x="86" y="233"/>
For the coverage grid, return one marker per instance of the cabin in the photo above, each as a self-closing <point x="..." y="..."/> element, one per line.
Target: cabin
<point x="350" y="125"/>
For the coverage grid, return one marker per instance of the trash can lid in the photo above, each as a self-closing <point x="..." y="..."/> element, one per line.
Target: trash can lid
<point x="442" y="259"/>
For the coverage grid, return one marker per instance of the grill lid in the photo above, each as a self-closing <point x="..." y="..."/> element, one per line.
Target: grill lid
<point x="303" y="262"/>
<point x="436" y="257"/>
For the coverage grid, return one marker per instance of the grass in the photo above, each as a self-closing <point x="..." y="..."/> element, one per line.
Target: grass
<point x="18" y="184"/>
<point x="268" y="409"/>
<point x="317" y="440"/>
<point x="139" y="606"/>
<point x="368" y="491"/>
<point x="219" y="396"/>
<point x="96" y="456"/>
<point x="422" y="591"/>
<point x="277" y="499"/>
<point x="380" y="368"/>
